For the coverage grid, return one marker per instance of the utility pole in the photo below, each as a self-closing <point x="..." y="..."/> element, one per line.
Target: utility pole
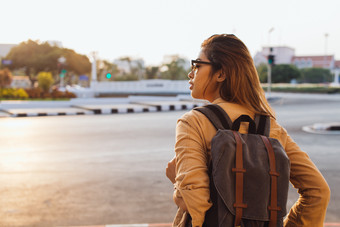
<point x="269" y="79"/>
<point x="62" y="61"/>
<point x="94" y="69"/>
<point x="270" y="63"/>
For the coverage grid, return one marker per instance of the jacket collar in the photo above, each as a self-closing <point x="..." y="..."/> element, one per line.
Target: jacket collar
<point x="218" y="100"/>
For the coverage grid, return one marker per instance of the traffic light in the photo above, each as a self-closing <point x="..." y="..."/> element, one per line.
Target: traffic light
<point x="63" y="73"/>
<point x="271" y="59"/>
<point x="108" y="75"/>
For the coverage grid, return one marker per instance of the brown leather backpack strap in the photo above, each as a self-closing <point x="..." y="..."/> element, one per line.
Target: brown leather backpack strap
<point x="239" y="171"/>
<point x="273" y="178"/>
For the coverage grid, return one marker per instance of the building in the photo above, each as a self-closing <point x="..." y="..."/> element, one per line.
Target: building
<point x="286" y="55"/>
<point x="20" y="82"/>
<point x="125" y="65"/>
<point x="5" y="49"/>
<point x="337" y="64"/>
<point x="327" y="62"/>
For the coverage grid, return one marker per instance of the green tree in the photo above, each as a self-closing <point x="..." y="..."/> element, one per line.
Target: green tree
<point x="127" y="77"/>
<point x="5" y="78"/>
<point x="151" y="72"/>
<point x="175" y="70"/>
<point x="45" y="81"/>
<point x="262" y="71"/>
<point x="35" y="57"/>
<point x="316" y="75"/>
<point x="284" y="73"/>
<point x="135" y="69"/>
<point x="76" y="63"/>
<point x="105" y="67"/>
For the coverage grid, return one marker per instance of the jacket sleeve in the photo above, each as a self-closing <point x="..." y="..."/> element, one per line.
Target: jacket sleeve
<point x="311" y="207"/>
<point x="192" y="180"/>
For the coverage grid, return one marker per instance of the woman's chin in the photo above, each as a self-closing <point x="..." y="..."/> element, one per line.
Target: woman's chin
<point x="194" y="95"/>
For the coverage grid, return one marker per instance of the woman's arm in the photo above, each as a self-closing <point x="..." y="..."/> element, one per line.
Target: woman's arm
<point x="171" y="174"/>
<point x="311" y="207"/>
<point x="192" y="180"/>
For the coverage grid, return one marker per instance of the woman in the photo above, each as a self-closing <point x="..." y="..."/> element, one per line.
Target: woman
<point x="224" y="74"/>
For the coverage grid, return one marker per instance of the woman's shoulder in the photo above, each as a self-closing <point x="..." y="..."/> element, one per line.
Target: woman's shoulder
<point x="191" y="116"/>
<point x="277" y="131"/>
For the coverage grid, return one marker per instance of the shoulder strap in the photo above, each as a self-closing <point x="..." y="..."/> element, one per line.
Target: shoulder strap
<point x="244" y="118"/>
<point x="216" y="115"/>
<point x="263" y="124"/>
<point x="220" y="119"/>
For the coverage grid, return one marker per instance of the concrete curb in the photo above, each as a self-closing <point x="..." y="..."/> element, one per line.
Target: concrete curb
<point x="165" y="225"/>
<point x="128" y="225"/>
<point x="45" y="114"/>
<point x="102" y="109"/>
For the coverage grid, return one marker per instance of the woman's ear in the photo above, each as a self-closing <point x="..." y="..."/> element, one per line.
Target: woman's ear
<point x="221" y="77"/>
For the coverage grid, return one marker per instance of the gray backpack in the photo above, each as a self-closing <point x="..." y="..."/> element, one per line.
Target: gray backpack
<point x="249" y="173"/>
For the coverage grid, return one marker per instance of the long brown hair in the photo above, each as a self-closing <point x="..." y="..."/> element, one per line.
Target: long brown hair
<point x="242" y="85"/>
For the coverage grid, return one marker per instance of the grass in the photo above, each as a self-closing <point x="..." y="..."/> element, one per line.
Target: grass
<point x="303" y="88"/>
<point x="47" y="99"/>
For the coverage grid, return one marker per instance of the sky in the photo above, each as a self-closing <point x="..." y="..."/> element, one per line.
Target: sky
<point x="151" y="29"/>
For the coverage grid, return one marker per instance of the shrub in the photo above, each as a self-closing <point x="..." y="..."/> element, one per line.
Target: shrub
<point x="127" y="77"/>
<point x="316" y="75"/>
<point x="38" y="93"/>
<point x="34" y="93"/>
<point x="56" y="94"/>
<point x="284" y="73"/>
<point x="12" y="93"/>
<point x="70" y="95"/>
<point x="45" y="81"/>
<point x="262" y="71"/>
<point x="20" y="94"/>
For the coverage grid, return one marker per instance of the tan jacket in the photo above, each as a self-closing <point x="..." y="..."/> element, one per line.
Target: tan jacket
<point x="193" y="136"/>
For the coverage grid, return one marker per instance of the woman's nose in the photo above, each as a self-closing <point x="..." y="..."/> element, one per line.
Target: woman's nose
<point x="191" y="74"/>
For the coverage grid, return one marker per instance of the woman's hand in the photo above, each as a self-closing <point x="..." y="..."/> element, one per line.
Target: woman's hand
<point x="171" y="170"/>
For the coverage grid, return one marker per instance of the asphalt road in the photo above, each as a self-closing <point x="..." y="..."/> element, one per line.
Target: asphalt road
<point x="109" y="169"/>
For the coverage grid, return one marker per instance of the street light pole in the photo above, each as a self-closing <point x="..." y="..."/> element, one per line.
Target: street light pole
<point x="325" y="58"/>
<point x="61" y="61"/>
<point x="269" y="32"/>
<point x="269" y="79"/>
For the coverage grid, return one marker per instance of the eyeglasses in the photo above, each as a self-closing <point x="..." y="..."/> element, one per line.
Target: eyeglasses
<point x="195" y="66"/>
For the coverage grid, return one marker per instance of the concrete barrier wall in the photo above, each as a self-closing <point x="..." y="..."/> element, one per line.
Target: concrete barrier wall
<point x="142" y="86"/>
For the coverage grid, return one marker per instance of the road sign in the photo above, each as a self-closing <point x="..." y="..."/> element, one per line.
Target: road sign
<point x="6" y="62"/>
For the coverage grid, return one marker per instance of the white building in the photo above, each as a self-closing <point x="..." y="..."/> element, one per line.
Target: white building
<point x="20" y="82"/>
<point x="5" y="48"/>
<point x="327" y="62"/>
<point x="126" y="64"/>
